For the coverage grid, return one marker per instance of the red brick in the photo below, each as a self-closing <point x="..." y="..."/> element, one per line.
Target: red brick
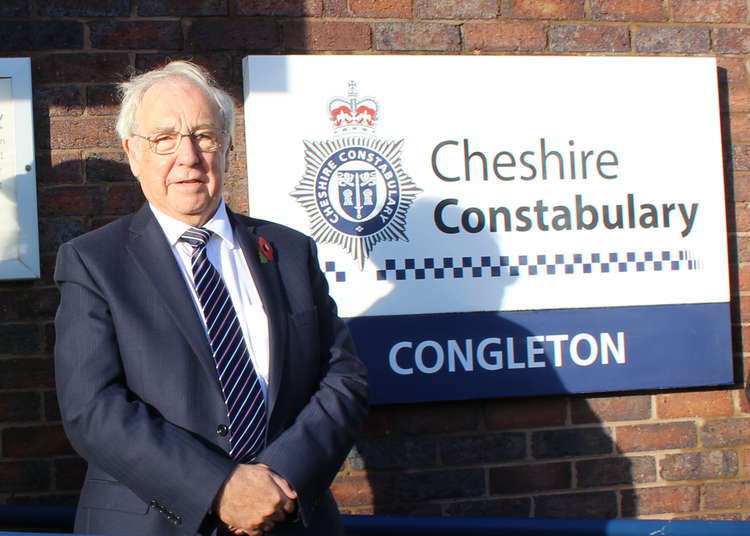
<point x="524" y="413"/>
<point x="512" y="507"/>
<point x="18" y="476"/>
<point x="378" y="423"/>
<point x="744" y="308"/>
<point x="22" y="35"/>
<point x="122" y="199"/>
<point x="416" y="36"/>
<point x="289" y="8"/>
<point x="58" y="168"/>
<point x="230" y="34"/>
<point x="57" y="101"/>
<point x="655" y="39"/>
<point x="587" y="441"/>
<point x="84" y="8"/>
<point x="656" y="436"/>
<point x="140" y="34"/>
<point x="396" y="9"/>
<point x="732" y="69"/>
<point x="432" y="485"/>
<point x="513" y="37"/>
<point x="317" y="35"/>
<point x="709" y="10"/>
<point x="741" y="219"/>
<point x="699" y="465"/>
<point x="20" y="406"/>
<point x="26" y="373"/>
<point x="743" y="395"/>
<point x="18" y="339"/>
<point x="739" y="98"/>
<point x="726" y="432"/>
<point x="739" y="188"/>
<point x="628" y="10"/>
<point x="739" y="127"/>
<point x="589" y="38"/>
<point x="665" y="500"/>
<point x="438" y="418"/>
<point x="741" y="254"/>
<point x="54" y="231"/>
<point x="530" y="478"/>
<point x="69" y="473"/>
<point x="80" y="68"/>
<point x="745" y="462"/>
<point x="189" y="8"/>
<point x="83" y="133"/>
<point x="353" y="490"/>
<point x="544" y="9"/>
<point x="450" y="9"/>
<point x="741" y="157"/>
<point x="102" y="100"/>
<point x="610" y="408"/>
<point x="592" y="505"/>
<point x="694" y="404"/>
<point x="68" y="200"/>
<point x="732" y="40"/>
<point x="726" y="495"/>
<point x="336" y="8"/>
<point x="614" y="471"/>
<point x="35" y="441"/>
<point x="107" y="167"/>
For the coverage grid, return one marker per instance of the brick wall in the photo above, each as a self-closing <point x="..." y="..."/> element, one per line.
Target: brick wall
<point x="684" y="454"/>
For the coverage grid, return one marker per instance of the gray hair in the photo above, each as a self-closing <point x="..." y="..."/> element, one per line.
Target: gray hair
<point x="131" y="93"/>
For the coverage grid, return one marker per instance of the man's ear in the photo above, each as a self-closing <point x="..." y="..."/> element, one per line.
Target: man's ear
<point x="133" y="156"/>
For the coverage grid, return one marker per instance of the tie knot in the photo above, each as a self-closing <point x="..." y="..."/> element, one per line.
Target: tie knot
<point x="196" y="236"/>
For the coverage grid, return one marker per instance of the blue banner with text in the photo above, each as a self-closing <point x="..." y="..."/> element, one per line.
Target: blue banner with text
<point x="454" y="356"/>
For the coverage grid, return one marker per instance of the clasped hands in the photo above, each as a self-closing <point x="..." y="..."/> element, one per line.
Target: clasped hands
<point x="254" y="499"/>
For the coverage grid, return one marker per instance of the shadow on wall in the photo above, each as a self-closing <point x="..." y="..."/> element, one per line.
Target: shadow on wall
<point x="522" y="457"/>
<point x="734" y="193"/>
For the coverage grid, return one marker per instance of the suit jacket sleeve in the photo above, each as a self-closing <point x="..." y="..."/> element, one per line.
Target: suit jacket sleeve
<point x="308" y="451"/>
<point x="107" y="423"/>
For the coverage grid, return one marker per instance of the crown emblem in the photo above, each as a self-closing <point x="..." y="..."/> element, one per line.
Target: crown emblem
<point x="352" y="115"/>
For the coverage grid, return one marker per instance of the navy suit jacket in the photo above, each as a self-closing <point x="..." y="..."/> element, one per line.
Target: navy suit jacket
<point x="140" y="397"/>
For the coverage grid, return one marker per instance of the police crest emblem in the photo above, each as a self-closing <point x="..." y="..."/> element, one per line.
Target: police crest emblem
<point x="355" y="190"/>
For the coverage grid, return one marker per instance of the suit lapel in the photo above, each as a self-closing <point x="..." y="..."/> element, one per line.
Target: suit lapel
<point x="268" y="282"/>
<point x="152" y="253"/>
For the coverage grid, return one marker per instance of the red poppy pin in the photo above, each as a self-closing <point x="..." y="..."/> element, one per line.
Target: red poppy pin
<point x="265" y="250"/>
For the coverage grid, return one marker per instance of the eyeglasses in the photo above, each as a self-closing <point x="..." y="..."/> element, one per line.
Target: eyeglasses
<point x="207" y="141"/>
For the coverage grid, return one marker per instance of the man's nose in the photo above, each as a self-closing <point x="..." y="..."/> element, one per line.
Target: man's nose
<point x="188" y="153"/>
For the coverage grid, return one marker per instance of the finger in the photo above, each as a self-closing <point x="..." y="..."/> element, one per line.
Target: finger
<point x="284" y="486"/>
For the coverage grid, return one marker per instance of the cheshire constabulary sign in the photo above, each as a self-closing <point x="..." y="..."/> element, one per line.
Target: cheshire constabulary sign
<point x="505" y="226"/>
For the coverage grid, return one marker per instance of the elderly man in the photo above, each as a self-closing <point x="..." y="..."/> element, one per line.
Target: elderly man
<point x="202" y="370"/>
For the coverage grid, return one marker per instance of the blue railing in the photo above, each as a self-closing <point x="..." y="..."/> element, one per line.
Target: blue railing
<point x="61" y="518"/>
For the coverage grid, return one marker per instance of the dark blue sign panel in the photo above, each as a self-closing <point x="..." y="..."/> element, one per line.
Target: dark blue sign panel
<point x="416" y="358"/>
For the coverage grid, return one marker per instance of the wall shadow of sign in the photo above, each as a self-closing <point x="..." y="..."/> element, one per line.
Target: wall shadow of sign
<point x="467" y="454"/>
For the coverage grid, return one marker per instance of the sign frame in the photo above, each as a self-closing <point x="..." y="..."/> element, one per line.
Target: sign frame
<point x="24" y="263"/>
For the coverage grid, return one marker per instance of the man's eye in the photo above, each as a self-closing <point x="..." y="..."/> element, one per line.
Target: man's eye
<point x="163" y="138"/>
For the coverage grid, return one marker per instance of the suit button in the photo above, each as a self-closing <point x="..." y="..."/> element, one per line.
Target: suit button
<point x="222" y="430"/>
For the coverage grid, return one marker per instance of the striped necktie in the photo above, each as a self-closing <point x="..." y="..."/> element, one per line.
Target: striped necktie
<point x="246" y="405"/>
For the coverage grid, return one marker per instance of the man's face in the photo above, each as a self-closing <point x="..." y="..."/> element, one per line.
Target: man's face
<point x="186" y="185"/>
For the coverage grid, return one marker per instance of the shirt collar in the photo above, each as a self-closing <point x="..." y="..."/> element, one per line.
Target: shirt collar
<point x="218" y="224"/>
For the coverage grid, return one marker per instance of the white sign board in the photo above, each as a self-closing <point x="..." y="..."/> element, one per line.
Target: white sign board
<point x="502" y="187"/>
